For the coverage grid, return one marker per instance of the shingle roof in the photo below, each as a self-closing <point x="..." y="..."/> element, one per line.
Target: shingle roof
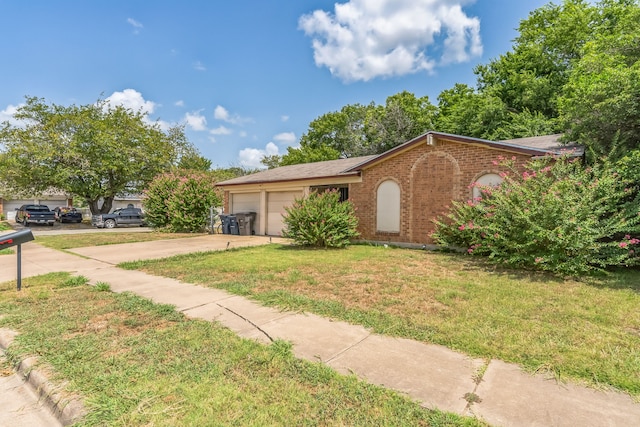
<point x="534" y="146"/>
<point x="329" y="168"/>
<point x="547" y="143"/>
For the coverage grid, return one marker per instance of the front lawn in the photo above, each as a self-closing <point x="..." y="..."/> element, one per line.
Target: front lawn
<point x="136" y="363"/>
<point x="586" y="330"/>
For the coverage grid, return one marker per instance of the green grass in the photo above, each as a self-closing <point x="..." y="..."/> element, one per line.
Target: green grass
<point x="138" y="364"/>
<point x="586" y="330"/>
<point x="68" y="241"/>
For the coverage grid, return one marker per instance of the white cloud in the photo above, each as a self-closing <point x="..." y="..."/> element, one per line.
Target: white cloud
<point x="133" y="100"/>
<point x="196" y="121"/>
<point x="199" y="66"/>
<point x="250" y="157"/>
<point x="221" y="113"/>
<point x="137" y="26"/>
<point x="365" y="39"/>
<point x="179" y="103"/>
<point x="284" y="118"/>
<point x="7" y="114"/>
<point x="286" y="138"/>
<point x="221" y="130"/>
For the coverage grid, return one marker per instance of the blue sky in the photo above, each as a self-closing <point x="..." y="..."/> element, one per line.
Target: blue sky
<point x="246" y="77"/>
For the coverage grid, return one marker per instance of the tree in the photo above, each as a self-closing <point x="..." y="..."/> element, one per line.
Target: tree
<point x="271" y="161"/>
<point x="401" y="119"/>
<point x="463" y="111"/>
<point x="343" y="131"/>
<point x="601" y="102"/>
<point x="191" y="160"/>
<point x="223" y="174"/>
<point x="308" y="154"/>
<point x="532" y="75"/>
<point x="96" y="151"/>
<point x="360" y="130"/>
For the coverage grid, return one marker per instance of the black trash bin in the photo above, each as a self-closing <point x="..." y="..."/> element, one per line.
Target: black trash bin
<point x="246" y="223"/>
<point x="229" y="224"/>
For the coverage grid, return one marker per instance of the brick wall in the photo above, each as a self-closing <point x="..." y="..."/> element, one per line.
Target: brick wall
<point x="430" y="177"/>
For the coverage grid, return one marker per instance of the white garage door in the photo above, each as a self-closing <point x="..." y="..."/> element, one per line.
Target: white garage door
<point x="276" y="202"/>
<point x="10" y="206"/>
<point x="246" y="202"/>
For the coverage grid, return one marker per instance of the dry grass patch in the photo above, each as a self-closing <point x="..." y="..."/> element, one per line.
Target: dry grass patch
<point x="142" y="364"/>
<point x="578" y="329"/>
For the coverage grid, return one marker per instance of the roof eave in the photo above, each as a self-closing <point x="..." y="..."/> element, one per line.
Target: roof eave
<point x="534" y="152"/>
<point x="274" y="181"/>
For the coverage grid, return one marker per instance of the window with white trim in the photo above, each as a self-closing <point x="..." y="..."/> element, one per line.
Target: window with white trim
<point x="489" y="179"/>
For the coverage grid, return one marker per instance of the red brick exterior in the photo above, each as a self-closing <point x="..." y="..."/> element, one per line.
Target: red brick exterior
<point x="430" y="177"/>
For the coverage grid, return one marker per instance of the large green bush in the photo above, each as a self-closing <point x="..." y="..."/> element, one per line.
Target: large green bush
<point x="180" y="201"/>
<point x="554" y="215"/>
<point x="321" y="220"/>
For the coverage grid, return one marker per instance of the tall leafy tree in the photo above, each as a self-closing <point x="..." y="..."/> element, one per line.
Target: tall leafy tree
<point x="308" y="154"/>
<point x="601" y="102"/>
<point x="532" y="75"/>
<point x="359" y="130"/>
<point x="342" y="131"/>
<point x="464" y="111"/>
<point x="402" y="118"/>
<point x="95" y="152"/>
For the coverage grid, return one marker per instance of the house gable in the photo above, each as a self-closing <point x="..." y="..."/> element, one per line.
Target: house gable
<point x="430" y="177"/>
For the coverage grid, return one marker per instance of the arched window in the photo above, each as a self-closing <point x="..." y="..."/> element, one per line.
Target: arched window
<point x="388" y="207"/>
<point x="489" y="179"/>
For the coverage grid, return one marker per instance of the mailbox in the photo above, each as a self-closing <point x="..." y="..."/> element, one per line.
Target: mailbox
<point x="17" y="238"/>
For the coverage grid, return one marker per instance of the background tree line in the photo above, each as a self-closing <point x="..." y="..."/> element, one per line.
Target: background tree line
<point x="573" y="69"/>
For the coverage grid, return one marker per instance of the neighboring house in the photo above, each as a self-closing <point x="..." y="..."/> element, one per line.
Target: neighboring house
<point x="397" y="194"/>
<point x="9" y="204"/>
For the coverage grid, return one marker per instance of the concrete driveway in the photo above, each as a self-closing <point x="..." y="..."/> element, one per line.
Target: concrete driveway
<point x="37" y="259"/>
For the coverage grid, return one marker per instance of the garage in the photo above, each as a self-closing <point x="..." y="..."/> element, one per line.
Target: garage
<point x="277" y="201"/>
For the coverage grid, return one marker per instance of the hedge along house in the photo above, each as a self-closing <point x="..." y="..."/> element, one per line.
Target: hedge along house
<point x="397" y="194"/>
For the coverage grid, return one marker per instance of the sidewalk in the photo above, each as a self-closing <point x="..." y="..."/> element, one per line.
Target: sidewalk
<point x="433" y="375"/>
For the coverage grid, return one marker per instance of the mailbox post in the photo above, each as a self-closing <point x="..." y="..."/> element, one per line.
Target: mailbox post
<point x="17" y="239"/>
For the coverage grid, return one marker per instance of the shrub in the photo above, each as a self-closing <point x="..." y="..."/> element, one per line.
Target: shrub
<point x="180" y="201"/>
<point x="321" y="220"/>
<point x="554" y="215"/>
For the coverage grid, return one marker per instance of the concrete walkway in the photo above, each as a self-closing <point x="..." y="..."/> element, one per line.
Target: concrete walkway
<point x="496" y="392"/>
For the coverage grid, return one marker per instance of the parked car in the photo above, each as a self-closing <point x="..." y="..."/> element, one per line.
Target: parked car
<point x="120" y="217"/>
<point x="36" y="214"/>
<point x="67" y="214"/>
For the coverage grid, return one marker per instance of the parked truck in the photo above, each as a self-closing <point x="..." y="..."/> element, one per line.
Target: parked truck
<point x="35" y="214"/>
<point x="128" y="216"/>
